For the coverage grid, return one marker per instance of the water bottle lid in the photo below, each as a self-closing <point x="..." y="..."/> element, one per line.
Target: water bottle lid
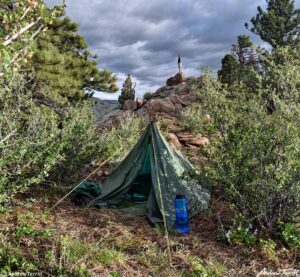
<point x="180" y="196"/>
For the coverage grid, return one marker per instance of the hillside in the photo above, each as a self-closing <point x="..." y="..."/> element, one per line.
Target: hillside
<point x="83" y="241"/>
<point x="200" y="178"/>
<point x="78" y="241"/>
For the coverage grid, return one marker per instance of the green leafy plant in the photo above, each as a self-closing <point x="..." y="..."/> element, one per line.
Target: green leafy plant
<point x="253" y="156"/>
<point x="12" y="260"/>
<point x="192" y="119"/>
<point x="269" y="248"/>
<point x="290" y="233"/>
<point x="241" y="232"/>
<point x="209" y="268"/>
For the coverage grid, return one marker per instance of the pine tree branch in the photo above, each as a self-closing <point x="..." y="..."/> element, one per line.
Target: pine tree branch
<point x="20" y="32"/>
<point x="41" y="99"/>
<point x="25" y="13"/>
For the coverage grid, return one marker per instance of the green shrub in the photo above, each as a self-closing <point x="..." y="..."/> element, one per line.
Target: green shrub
<point x="209" y="268"/>
<point x="162" y="95"/>
<point x="290" y="233"/>
<point x="148" y="95"/>
<point x="281" y="76"/>
<point x="38" y="145"/>
<point x="118" y="141"/>
<point x="79" y="142"/>
<point x="269" y="248"/>
<point x="12" y="260"/>
<point x="192" y="119"/>
<point x="253" y="156"/>
<point x="29" y="148"/>
<point x="241" y="232"/>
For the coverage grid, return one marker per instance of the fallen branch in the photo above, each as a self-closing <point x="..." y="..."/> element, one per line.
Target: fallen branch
<point x="8" y="136"/>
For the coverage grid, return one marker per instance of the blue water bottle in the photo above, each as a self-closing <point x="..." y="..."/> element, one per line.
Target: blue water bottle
<point x="182" y="218"/>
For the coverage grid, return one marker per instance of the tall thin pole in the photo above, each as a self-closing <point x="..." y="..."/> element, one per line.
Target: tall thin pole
<point x="161" y="202"/>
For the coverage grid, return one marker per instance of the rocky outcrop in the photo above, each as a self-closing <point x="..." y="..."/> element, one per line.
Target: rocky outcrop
<point x="130" y="105"/>
<point x="183" y="100"/>
<point x="167" y="103"/>
<point x="140" y="102"/>
<point x="160" y="106"/>
<point x="166" y="106"/>
<point x="173" y="141"/>
<point x="177" y="79"/>
<point x="193" y="140"/>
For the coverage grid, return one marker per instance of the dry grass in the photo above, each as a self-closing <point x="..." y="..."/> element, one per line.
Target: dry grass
<point x="103" y="242"/>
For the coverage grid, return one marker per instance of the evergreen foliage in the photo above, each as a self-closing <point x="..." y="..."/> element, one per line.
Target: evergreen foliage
<point x="64" y="67"/>
<point x="279" y="25"/>
<point x="244" y="51"/>
<point x="21" y="22"/>
<point x="227" y="74"/>
<point x="128" y="91"/>
<point x="242" y="66"/>
<point x="38" y="142"/>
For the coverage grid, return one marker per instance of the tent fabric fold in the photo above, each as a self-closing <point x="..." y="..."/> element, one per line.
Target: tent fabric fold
<point x="152" y="162"/>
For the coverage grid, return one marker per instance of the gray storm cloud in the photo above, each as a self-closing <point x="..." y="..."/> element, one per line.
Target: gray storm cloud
<point x="144" y="37"/>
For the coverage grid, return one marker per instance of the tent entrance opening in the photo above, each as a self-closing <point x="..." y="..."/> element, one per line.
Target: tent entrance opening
<point x="135" y="200"/>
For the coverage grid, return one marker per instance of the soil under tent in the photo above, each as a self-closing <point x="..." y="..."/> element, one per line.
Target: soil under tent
<point x="151" y="171"/>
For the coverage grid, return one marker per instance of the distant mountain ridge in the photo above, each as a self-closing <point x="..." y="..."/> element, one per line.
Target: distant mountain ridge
<point x="111" y="102"/>
<point x="104" y="108"/>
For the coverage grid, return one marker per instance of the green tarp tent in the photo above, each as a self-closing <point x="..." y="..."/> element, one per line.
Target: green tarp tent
<point x="152" y="166"/>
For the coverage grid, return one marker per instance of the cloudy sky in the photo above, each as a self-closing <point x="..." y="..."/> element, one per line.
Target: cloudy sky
<point x="144" y="37"/>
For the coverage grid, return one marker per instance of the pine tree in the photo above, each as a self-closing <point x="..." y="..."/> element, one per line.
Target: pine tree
<point x="244" y="51"/>
<point x="128" y="91"/>
<point x="242" y="63"/>
<point x="279" y="25"/>
<point x="227" y="74"/>
<point x="65" y="69"/>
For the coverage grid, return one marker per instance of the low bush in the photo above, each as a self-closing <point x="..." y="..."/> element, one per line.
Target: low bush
<point x="241" y="232"/>
<point x="290" y="234"/>
<point x="148" y="95"/>
<point x="118" y="141"/>
<point x="192" y="119"/>
<point x="253" y="156"/>
<point x="39" y="145"/>
<point x="29" y="148"/>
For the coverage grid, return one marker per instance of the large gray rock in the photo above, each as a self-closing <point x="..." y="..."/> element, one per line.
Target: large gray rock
<point x="160" y="106"/>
